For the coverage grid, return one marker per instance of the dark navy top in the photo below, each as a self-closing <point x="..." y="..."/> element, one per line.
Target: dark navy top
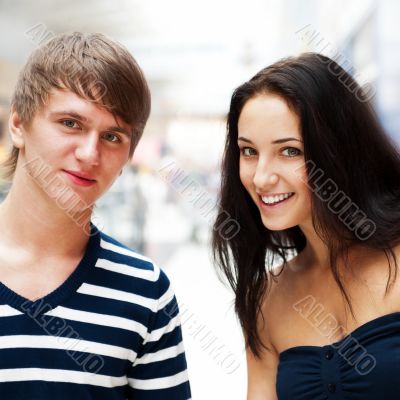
<point x="364" y="365"/>
<point x="111" y="331"/>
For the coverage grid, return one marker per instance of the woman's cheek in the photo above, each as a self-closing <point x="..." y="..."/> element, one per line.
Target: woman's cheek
<point x="246" y="177"/>
<point x="300" y="173"/>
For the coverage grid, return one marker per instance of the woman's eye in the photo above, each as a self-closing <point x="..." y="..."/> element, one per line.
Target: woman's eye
<point x="111" y="137"/>
<point x="69" y="123"/>
<point x="247" y="151"/>
<point x="291" y="152"/>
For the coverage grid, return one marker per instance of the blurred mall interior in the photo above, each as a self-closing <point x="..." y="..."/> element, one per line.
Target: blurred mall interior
<point x="194" y="53"/>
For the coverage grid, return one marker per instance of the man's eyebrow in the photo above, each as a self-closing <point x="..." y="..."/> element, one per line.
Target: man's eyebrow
<point x="71" y="113"/>
<point x="120" y="130"/>
<point x="80" y="117"/>
<point x="283" y="140"/>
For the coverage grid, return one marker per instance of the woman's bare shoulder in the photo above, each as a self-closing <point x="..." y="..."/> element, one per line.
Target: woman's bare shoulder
<point x="284" y="284"/>
<point x="281" y="277"/>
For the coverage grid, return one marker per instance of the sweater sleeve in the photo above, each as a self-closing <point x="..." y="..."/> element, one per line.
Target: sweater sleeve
<point x="160" y="370"/>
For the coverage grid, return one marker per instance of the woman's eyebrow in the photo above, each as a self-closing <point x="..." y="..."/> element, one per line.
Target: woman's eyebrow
<point x="245" y="140"/>
<point x="283" y="140"/>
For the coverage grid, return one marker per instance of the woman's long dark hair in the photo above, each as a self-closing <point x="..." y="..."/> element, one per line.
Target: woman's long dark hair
<point x="344" y="142"/>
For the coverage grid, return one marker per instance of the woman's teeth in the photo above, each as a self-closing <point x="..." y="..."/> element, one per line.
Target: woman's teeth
<point x="276" y="199"/>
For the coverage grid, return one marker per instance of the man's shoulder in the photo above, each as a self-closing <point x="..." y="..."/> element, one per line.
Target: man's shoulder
<point x="116" y="250"/>
<point x="121" y="259"/>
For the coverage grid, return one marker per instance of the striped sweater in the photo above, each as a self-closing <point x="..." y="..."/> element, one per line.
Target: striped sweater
<point x="110" y="331"/>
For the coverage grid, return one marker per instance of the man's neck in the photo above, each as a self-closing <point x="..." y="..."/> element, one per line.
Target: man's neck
<point x="30" y="219"/>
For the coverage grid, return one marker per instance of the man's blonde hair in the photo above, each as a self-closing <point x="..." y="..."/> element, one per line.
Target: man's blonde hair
<point x="92" y="66"/>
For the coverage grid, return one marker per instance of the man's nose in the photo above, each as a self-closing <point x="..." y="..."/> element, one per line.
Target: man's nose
<point x="88" y="149"/>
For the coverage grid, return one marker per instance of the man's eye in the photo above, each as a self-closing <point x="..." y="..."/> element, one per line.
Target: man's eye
<point x="291" y="152"/>
<point x="247" y="151"/>
<point x="111" y="137"/>
<point x="69" y="123"/>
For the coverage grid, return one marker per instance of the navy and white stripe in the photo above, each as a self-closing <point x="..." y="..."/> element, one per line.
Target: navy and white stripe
<point x="110" y="331"/>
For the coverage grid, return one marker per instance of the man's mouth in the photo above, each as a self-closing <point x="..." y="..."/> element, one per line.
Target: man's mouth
<point x="80" y="178"/>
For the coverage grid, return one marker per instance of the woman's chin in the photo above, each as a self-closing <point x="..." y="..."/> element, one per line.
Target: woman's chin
<point x="277" y="226"/>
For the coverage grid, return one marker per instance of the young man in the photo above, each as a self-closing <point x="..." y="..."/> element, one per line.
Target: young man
<point x="81" y="315"/>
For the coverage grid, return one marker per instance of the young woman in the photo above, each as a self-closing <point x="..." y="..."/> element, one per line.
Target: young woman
<point x="313" y="182"/>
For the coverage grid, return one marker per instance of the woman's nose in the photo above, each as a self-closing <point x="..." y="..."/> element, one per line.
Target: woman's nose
<point x="264" y="177"/>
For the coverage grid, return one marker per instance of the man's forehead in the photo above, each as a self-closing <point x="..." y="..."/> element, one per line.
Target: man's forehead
<point x="65" y="102"/>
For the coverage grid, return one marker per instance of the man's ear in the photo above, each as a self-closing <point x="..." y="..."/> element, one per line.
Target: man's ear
<point x="16" y="129"/>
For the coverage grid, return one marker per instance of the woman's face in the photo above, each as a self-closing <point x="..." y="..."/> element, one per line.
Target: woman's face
<point x="272" y="161"/>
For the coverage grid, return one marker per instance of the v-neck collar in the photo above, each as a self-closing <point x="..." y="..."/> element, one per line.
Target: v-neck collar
<point x="58" y="295"/>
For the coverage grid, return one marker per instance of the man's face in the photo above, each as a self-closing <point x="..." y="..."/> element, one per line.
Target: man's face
<point x="74" y="145"/>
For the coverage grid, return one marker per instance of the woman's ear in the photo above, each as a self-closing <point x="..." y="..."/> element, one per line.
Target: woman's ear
<point x="16" y="129"/>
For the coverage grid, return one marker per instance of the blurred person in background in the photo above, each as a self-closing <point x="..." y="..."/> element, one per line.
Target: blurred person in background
<point x="82" y="316"/>
<point x="314" y="183"/>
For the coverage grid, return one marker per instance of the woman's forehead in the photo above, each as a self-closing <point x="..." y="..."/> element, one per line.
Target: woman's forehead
<point x="270" y="117"/>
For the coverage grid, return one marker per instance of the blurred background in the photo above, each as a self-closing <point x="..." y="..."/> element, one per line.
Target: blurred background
<point x="194" y="54"/>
